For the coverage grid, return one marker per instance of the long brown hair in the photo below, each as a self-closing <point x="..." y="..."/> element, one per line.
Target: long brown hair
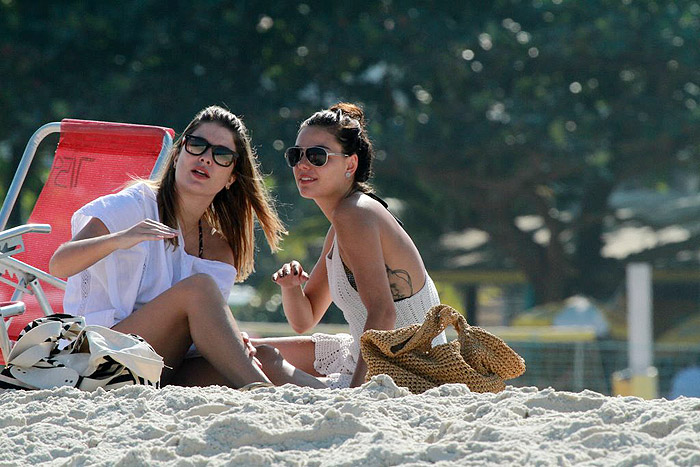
<point x="234" y="210"/>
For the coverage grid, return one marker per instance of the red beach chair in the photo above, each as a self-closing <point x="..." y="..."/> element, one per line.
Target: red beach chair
<point x="92" y="159"/>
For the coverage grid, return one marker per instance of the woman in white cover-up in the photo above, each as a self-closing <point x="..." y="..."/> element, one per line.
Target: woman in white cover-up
<point x="158" y="259"/>
<point x="369" y="267"/>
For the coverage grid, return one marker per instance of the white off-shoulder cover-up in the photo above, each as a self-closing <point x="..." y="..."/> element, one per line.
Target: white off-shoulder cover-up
<point x="117" y="285"/>
<point x="336" y="355"/>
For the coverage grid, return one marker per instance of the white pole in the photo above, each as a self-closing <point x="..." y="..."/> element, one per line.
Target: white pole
<point x="639" y="318"/>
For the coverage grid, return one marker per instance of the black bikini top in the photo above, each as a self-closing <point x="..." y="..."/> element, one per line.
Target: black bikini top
<point x="383" y="203"/>
<point x="348" y="272"/>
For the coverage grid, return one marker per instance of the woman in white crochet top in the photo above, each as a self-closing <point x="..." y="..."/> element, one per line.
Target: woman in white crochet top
<point x="158" y="259"/>
<point x="369" y="267"/>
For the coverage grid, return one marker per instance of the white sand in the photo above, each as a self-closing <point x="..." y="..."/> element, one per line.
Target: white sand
<point x="378" y="424"/>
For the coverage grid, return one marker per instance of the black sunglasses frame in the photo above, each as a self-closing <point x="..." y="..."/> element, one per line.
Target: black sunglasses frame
<point x="317" y="151"/>
<point x="215" y="150"/>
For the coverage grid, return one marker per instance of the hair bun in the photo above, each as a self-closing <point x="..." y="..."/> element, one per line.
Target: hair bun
<point x="350" y="110"/>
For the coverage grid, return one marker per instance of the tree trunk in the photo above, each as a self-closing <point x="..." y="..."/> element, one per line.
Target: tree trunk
<point x="595" y="275"/>
<point x="546" y="268"/>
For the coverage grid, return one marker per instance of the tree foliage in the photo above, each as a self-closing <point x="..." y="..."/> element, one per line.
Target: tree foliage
<point x="482" y="113"/>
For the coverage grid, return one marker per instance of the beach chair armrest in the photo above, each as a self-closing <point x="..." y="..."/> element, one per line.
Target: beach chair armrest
<point x="9" y="309"/>
<point x="11" y="239"/>
<point x="14" y="266"/>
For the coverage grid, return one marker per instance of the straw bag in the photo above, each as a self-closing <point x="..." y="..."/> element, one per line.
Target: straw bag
<point x="477" y="358"/>
<point x="95" y="356"/>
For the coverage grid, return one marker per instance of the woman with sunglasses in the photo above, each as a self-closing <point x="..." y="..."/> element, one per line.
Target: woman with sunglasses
<point x="369" y="266"/>
<point x="158" y="259"/>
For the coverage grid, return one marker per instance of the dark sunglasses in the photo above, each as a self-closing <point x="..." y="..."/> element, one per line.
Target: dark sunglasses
<point x="316" y="155"/>
<point x="196" y="145"/>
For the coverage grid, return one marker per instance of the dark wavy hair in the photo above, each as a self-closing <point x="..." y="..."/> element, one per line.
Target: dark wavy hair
<point x="346" y="122"/>
<point x="234" y="210"/>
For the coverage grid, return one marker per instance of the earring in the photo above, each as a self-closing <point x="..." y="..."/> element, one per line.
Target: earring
<point x="347" y="174"/>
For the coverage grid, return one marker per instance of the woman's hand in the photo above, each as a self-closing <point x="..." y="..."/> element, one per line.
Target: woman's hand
<point x="290" y="275"/>
<point x="304" y="306"/>
<point x="250" y="350"/>
<point x="146" y="230"/>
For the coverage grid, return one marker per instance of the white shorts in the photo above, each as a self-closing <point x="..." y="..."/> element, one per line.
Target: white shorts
<point x="334" y="358"/>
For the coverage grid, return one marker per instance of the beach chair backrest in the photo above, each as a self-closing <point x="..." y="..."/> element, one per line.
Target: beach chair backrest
<point x="92" y="159"/>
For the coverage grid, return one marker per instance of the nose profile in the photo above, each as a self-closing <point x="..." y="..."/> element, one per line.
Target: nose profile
<point x="303" y="160"/>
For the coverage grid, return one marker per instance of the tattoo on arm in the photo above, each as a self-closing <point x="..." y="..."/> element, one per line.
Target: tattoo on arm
<point x="400" y="283"/>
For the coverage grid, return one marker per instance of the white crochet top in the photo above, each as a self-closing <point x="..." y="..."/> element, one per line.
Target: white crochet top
<point x="409" y="310"/>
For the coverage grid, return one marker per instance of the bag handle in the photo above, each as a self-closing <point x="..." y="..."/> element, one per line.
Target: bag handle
<point x="420" y="337"/>
<point x="483" y="351"/>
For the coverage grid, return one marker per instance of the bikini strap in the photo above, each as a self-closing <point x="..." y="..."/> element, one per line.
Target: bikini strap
<point x="386" y="206"/>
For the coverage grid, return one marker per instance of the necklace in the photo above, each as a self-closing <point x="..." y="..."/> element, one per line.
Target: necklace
<point x="201" y="240"/>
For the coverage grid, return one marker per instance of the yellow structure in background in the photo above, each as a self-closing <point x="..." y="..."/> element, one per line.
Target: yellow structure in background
<point x="567" y="334"/>
<point x="646" y="385"/>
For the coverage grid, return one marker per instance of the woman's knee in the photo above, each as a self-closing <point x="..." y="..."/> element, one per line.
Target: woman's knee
<point x="199" y="288"/>
<point x="268" y="355"/>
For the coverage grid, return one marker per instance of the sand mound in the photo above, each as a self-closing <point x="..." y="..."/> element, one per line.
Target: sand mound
<point x="377" y="424"/>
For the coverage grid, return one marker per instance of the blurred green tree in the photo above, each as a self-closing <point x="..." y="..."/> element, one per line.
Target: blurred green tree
<point x="482" y="113"/>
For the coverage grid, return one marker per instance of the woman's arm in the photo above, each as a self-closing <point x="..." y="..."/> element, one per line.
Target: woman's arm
<point x="359" y="235"/>
<point x="95" y="242"/>
<point x="305" y="306"/>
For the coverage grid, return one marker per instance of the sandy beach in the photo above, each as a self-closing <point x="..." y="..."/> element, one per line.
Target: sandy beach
<point x="377" y="424"/>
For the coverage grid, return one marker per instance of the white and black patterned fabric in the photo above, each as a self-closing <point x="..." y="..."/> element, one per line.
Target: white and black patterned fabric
<point x="60" y="350"/>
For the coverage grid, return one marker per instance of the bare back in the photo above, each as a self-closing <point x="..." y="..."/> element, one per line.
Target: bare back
<point x="403" y="265"/>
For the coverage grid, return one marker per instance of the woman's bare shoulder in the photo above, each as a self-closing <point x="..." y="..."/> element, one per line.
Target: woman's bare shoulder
<point x="219" y="249"/>
<point x="357" y="209"/>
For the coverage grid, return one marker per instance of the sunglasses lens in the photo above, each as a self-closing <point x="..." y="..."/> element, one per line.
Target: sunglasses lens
<point x="317" y="156"/>
<point x="293" y="156"/>
<point x="195" y="145"/>
<point x="224" y="157"/>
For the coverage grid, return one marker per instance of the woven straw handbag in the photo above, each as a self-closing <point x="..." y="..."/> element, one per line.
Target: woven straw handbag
<point x="477" y="358"/>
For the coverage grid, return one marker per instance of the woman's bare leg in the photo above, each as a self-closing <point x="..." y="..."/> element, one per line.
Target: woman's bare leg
<point x="281" y="371"/>
<point x="198" y="372"/>
<point x="299" y="351"/>
<point x="193" y="310"/>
